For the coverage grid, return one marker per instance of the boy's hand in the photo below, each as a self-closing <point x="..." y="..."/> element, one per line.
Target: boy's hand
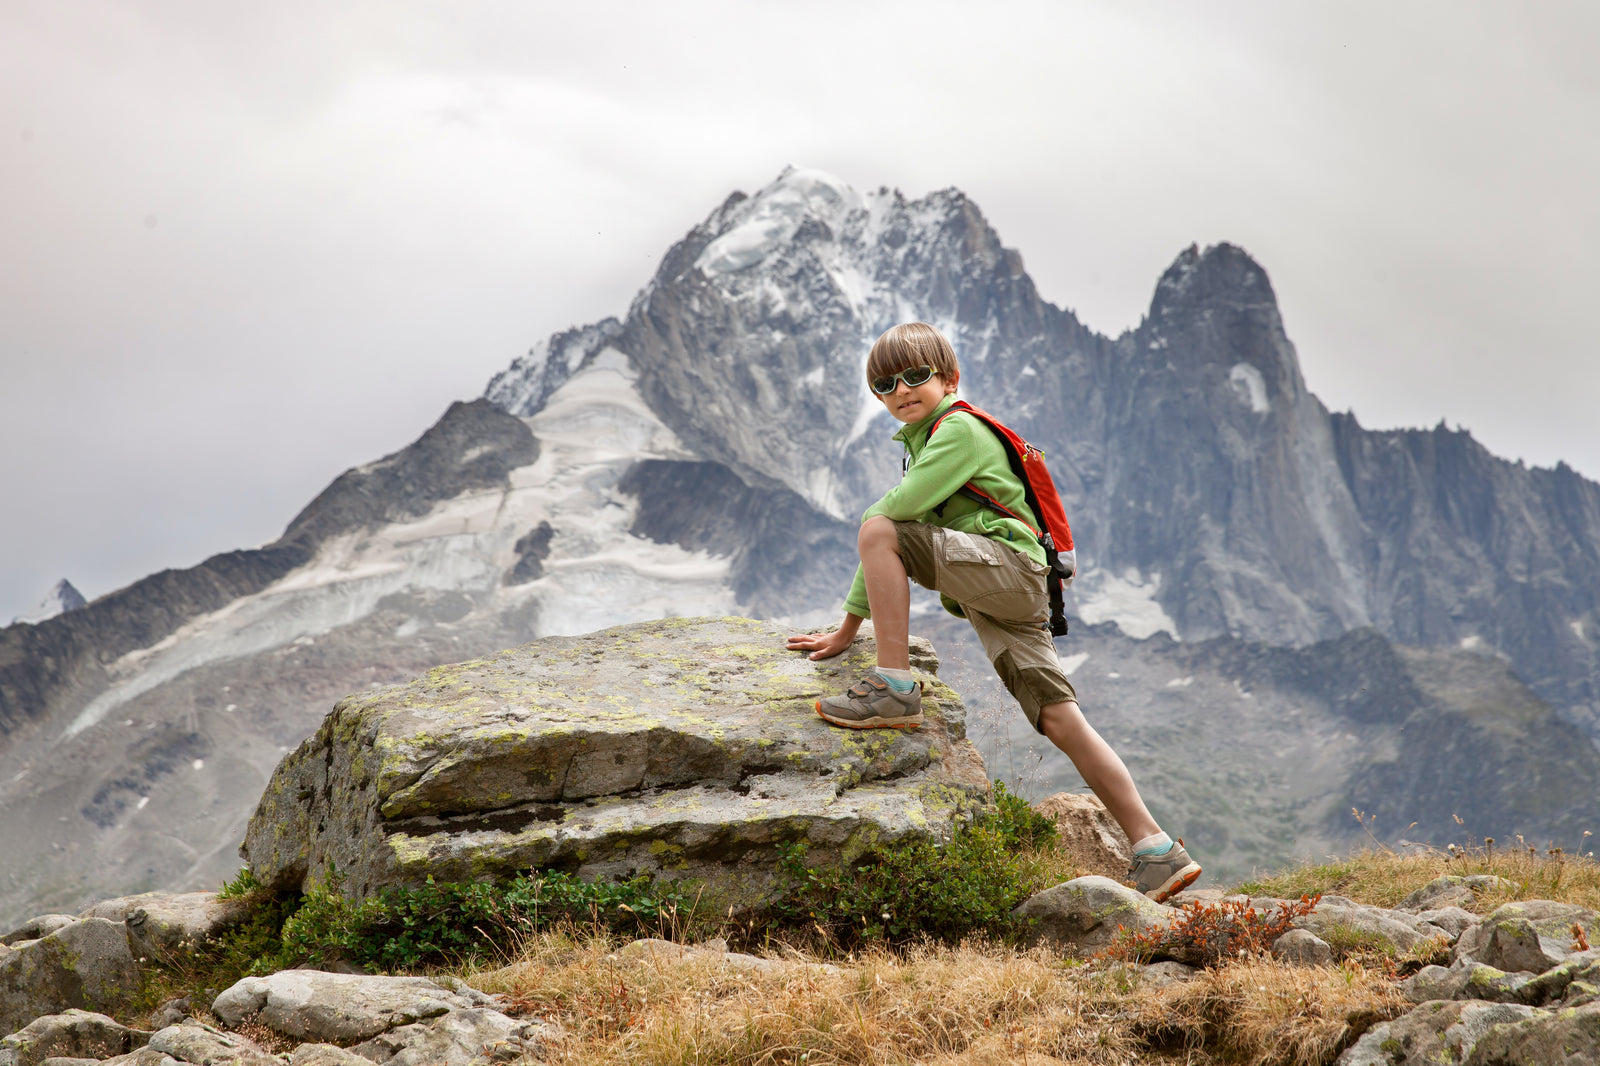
<point x="822" y="645"/>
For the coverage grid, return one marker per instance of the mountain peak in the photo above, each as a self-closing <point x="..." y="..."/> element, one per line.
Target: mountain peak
<point x="59" y="600"/>
<point x="1223" y="272"/>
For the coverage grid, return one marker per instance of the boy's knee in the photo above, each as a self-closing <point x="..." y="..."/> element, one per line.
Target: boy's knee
<point x="878" y="532"/>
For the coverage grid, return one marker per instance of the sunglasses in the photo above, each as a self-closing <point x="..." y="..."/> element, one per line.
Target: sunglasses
<point x="917" y="375"/>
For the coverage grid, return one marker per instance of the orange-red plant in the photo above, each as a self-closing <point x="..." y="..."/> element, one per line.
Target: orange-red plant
<point x="1205" y="933"/>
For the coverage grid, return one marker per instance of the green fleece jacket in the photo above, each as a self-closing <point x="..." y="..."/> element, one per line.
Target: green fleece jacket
<point x="963" y="450"/>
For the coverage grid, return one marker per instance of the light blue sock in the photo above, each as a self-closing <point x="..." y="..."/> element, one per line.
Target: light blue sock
<point x="1159" y="844"/>
<point x="899" y="680"/>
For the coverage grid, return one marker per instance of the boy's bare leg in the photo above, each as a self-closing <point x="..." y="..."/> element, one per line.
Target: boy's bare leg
<point x="888" y="591"/>
<point x="1101" y="768"/>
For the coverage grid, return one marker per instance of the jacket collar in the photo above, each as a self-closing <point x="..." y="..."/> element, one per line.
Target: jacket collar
<point x="916" y="434"/>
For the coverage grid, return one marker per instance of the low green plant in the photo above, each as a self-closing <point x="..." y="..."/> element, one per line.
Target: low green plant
<point x="243" y="884"/>
<point x="400" y="928"/>
<point x="923" y="889"/>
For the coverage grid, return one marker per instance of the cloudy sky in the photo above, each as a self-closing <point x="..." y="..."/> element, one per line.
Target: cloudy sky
<point x="248" y="246"/>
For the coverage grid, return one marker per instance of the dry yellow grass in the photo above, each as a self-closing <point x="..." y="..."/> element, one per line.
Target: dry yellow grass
<point x="1383" y="878"/>
<point x="1259" y="1013"/>
<point x="975" y="1005"/>
<point x="971" y="1005"/>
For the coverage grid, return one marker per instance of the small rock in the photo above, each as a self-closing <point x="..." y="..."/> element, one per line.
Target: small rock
<point x="331" y="1007"/>
<point x="1348" y="925"/>
<point x="70" y="1034"/>
<point x="325" y="1055"/>
<point x="1575" y="980"/>
<point x="1082" y="916"/>
<point x="1451" y="890"/>
<point x="37" y="928"/>
<point x="1465" y="979"/>
<point x="1302" y="947"/>
<point x="194" y="1042"/>
<point x="1453" y="921"/>
<point x="455" y="1039"/>
<point x="171" y="1012"/>
<point x="1087" y="833"/>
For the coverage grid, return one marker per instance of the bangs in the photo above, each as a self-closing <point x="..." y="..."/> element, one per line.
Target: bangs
<point x="908" y="345"/>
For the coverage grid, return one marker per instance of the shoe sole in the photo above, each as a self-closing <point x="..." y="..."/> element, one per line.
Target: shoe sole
<point x="1176" y="883"/>
<point x="905" y="722"/>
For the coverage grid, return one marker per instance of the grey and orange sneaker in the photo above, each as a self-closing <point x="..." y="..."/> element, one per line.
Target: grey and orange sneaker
<point x="1160" y="877"/>
<point x="872" y="703"/>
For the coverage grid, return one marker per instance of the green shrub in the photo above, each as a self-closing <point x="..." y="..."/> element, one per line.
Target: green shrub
<point x="401" y="927"/>
<point x="924" y="889"/>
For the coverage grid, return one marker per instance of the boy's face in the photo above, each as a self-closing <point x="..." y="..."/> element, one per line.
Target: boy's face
<point x="913" y="403"/>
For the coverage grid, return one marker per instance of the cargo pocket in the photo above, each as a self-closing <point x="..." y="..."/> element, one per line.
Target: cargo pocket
<point x="958" y="547"/>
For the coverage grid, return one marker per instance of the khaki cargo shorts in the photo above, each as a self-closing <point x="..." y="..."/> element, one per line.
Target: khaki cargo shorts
<point x="1003" y="594"/>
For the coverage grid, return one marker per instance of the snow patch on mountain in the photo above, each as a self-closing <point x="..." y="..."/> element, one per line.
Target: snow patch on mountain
<point x="1251" y="387"/>
<point x="1129" y="600"/>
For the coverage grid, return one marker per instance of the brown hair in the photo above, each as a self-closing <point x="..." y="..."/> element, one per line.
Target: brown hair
<point x="912" y="344"/>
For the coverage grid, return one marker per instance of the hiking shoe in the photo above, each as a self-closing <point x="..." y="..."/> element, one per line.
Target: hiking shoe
<point x="1161" y="877"/>
<point x="872" y="703"/>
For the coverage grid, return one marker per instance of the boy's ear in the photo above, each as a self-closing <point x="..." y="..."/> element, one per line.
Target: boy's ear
<point x="951" y="382"/>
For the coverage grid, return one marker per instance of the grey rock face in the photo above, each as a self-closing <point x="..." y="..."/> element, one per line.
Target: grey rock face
<point x="683" y="748"/>
<point x="86" y="965"/>
<point x="1082" y="916"/>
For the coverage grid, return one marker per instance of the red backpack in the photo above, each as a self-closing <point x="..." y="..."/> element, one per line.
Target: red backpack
<point x="1027" y="462"/>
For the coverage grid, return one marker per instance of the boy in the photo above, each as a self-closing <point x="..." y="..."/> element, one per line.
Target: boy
<point x="986" y="567"/>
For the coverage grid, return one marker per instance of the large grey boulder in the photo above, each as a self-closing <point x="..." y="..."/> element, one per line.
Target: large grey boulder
<point x="685" y="748"/>
<point x="335" y="1008"/>
<point x="72" y="1034"/>
<point x="86" y="964"/>
<point x="1534" y="934"/>
<point x="164" y="924"/>
<point x="1083" y="916"/>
